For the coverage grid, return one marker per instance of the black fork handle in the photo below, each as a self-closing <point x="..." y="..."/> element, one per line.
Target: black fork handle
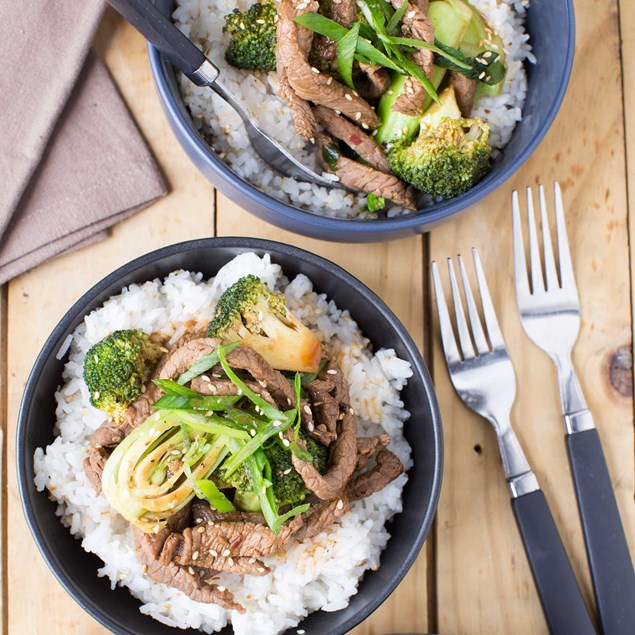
<point x="609" y="558"/>
<point x="559" y="593"/>
<point x="161" y="32"/>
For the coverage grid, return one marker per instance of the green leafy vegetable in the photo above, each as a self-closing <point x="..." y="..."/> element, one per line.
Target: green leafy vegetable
<point x="394" y="22"/>
<point x="375" y="203"/>
<point x="201" y="402"/>
<point x="214" y="496"/>
<point x="439" y="49"/>
<point x="485" y="67"/>
<point x="300" y="509"/>
<point x="205" y="363"/>
<point x="345" y="55"/>
<point x="331" y="154"/>
<point x="170" y="387"/>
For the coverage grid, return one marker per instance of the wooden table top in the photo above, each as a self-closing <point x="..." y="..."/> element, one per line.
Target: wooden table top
<point x="472" y="575"/>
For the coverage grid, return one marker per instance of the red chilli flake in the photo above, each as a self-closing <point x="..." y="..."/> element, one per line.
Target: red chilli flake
<point x="355" y="139"/>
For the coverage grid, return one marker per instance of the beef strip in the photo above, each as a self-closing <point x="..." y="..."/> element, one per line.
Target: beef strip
<point x="94" y="467"/>
<point x="343" y="451"/>
<point x="367" y="448"/>
<point x="224" y="540"/>
<point x="301" y="113"/>
<point x="196" y="584"/>
<point x="387" y="468"/>
<point x="416" y="24"/>
<point x="365" y="146"/>
<point x="322" y="516"/>
<point x="366" y="179"/>
<point x="344" y="12"/>
<point x="308" y="84"/>
<point x="329" y="399"/>
<point x="464" y="89"/>
<point x="202" y="513"/>
<point x="377" y="84"/>
<point x="225" y="387"/>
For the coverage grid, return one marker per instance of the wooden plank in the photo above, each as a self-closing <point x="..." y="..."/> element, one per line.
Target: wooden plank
<point x="394" y="271"/>
<point x="37" y="300"/>
<point x="484" y="582"/>
<point x="3" y="461"/>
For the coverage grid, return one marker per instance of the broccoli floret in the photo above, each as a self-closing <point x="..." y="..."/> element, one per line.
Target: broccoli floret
<point x="253" y="37"/>
<point x="288" y="486"/>
<point x="250" y="312"/>
<point x="116" y="370"/>
<point x="450" y="154"/>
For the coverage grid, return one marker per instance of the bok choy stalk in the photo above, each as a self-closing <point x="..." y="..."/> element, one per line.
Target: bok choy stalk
<point x="145" y="477"/>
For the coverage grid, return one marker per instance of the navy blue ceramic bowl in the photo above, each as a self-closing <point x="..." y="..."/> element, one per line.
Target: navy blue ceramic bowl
<point x="550" y="24"/>
<point x="76" y="570"/>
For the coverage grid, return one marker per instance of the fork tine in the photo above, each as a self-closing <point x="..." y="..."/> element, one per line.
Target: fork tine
<point x="461" y="323"/>
<point x="564" y="255"/>
<point x="445" y="323"/>
<point x="537" y="283"/>
<point x="550" y="264"/>
<point x="491" y="322"/>
<point x="475" y="321"/>
<point x="520" y="264"/>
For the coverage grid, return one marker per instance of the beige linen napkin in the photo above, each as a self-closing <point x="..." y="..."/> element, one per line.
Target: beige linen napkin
<point x="72" y="162"/>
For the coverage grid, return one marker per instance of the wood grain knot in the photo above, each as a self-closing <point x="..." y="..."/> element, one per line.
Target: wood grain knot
<point x="620" y="368"/>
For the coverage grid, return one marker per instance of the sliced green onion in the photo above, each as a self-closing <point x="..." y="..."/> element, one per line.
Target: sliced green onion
<point x="214" y="496"/>
<point x="345" y="55"/>
<point x="200" y="402"/>
<point x="298" y="398"/>
<point x="271" y="412"/>
<point x="395" y="20"/>
<point x="300" y="452"/>
<point x="213" y="424"/>
<point x="205" y="363"/>
<point x="407" y="41"/>
<point x="170" y="387"/>
<point x="300" y="509"/>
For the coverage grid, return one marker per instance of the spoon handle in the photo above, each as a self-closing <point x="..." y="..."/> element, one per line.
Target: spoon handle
<point x="161" y="32"/>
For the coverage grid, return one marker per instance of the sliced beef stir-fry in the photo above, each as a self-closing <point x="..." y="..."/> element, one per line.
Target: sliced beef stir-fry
<point x="364" y="178"/>
<point x="344" y="130"/>
<point x="465" y="90"/>
<point x="309" y="83"/>
<point x="197" y="542"/>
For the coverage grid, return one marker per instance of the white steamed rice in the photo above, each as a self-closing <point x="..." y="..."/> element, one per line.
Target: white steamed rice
<point x="318" y="573"/>
<point x="202" y="21"/>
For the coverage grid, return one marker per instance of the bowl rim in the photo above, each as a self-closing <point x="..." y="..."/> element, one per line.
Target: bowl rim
<point x="192" y="142"/>
<point x="24" y="461"/>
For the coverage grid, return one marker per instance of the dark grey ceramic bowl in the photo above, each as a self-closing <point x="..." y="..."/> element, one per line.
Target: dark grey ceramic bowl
<point x="550" y="24"/>
<point x="76" y="570"/>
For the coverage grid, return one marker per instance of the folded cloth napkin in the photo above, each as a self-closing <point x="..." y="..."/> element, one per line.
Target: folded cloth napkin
<point x="72" y="161"/>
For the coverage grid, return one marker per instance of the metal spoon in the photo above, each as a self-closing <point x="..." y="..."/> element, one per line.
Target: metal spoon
<point x="159" y="30"/>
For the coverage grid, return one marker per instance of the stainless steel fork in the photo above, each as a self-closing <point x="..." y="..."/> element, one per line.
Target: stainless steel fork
<point x="550" y="314"/>
<point x="483" y="376"/>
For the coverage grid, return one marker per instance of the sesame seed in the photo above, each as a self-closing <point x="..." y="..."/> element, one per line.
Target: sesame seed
<point x="226" y="553"/>
<point x="264" y="489"/>
<point x="175" y="452"/>
<point x="144" y="568"/>
<point x="410" y="14"/>
<point x="286" y="443"/>
<point x="252" y="560"/>
<point x="300" y="631"/>
<point x="287" y="471"/>
<point x="205" y="378"/>
<point x="340" y="504"/>
<point x="288" y="401"/>
<point x="281" y="435"/>
<point x="200" y="529"/>
<point x="311" y="427"/>
<point x="277" y="424"/>
<point x="261" y="569"/>
<point x="252" y="432"/>
<point x="209" y="413"/>
<point x="191" y="570"/>
<point x="481" y="75"/>
<point x="315" y="70"/>
<point x="262" y="383"/>
<point x="307" y="410"/>
<point x="260" y="22"/>
<point x="351" y="411"/>
<point x="348" y="97"/>
<point x="213" y="553"/>
<point x="329" y="81"/>
<point x="195" y="555"/>
<point x="390" y="91"/>
<point x="364" y="126"/>
<point x="96" y="395"/>
<point x="230" y="562"/>
<point x="338" y="112"/>
<point x="331" y="371"/>
<point x="116" y="439"/>
<point x="487" y="54"/>
<point x="358" y="116"/>
<point x="198" y="521"/>
<point x="220" y="588"/>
